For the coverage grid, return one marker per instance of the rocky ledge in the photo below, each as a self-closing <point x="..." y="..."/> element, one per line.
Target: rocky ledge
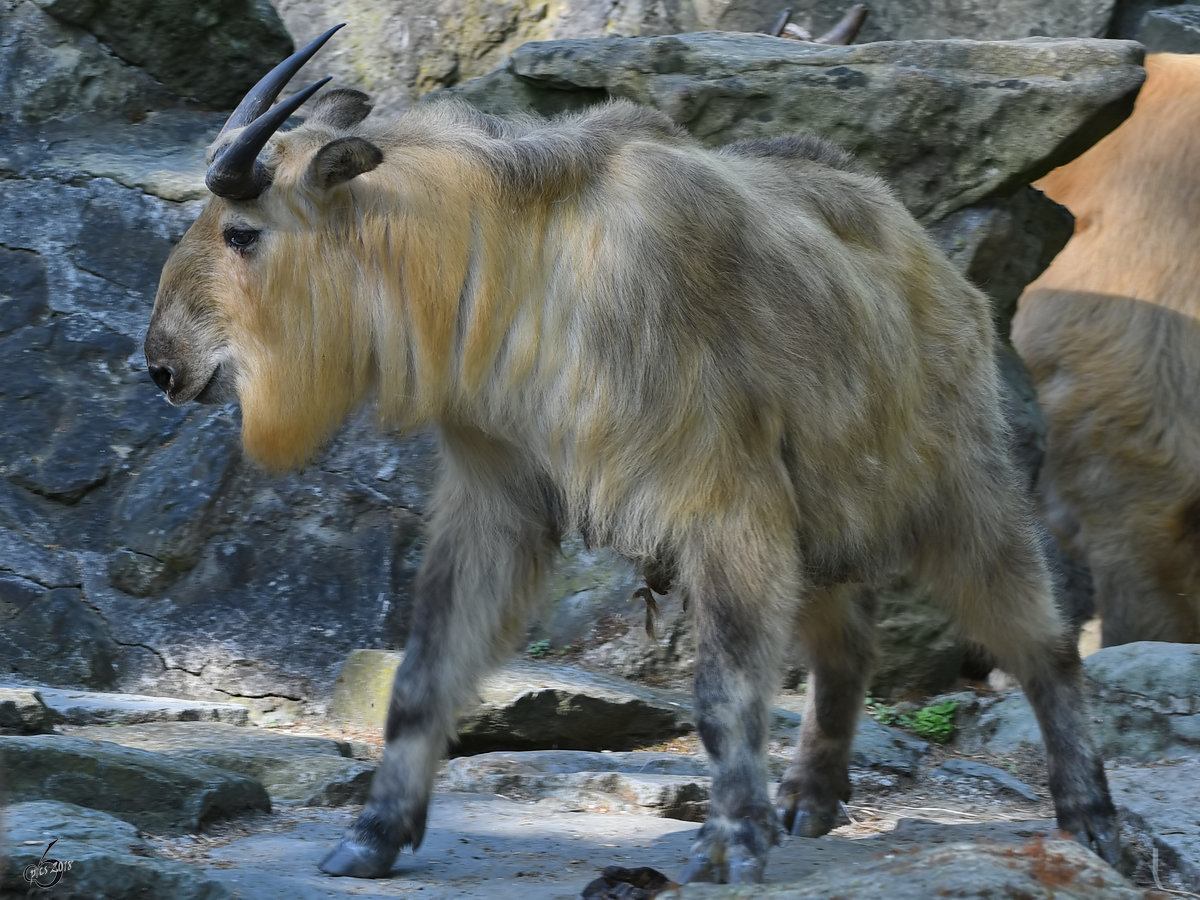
<point x="145" y="796"/>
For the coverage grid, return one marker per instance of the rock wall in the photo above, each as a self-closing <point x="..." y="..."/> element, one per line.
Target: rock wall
<point x="398" y="52"/>
<point x="138" y="550"/>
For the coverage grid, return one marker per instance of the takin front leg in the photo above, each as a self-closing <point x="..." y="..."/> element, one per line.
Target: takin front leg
<point x="473" y="592"/>
<point x="836" y="630"/>
<point x="738" y="645"/>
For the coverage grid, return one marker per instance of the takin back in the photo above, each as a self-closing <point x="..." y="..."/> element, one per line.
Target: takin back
<point x="746" y="368"/>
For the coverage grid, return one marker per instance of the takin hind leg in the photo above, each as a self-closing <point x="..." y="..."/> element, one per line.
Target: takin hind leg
<point x="740" y="623"/>
<point x="489" y="545"/>
<point x="835" y="628"/>
<point x="999" y="592"/>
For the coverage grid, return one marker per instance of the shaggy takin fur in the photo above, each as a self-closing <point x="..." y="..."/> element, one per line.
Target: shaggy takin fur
<point x="745" y="367"/>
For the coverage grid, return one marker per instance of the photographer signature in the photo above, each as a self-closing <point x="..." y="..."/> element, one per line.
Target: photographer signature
<point x="46" y="873"/>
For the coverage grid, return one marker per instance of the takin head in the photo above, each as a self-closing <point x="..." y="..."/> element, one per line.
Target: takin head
<point x="242" y="310"/>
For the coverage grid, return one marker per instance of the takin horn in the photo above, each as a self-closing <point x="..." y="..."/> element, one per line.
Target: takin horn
<point x="235" y="172"/>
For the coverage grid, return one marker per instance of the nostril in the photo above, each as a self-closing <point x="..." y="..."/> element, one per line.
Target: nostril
<point x="164" y="377"/>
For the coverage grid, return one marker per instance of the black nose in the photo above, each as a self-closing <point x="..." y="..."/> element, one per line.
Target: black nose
<point x="164" y="377"/>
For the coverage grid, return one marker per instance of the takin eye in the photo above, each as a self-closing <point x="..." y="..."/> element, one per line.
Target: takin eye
<point x="241" y="239"/>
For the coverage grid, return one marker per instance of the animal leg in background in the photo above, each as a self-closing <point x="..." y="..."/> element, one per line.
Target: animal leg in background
<point x="491" y="540"/>
<point x="835" y="628"/>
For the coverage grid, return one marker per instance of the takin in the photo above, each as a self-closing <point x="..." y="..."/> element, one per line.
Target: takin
<point x="1111" y="334"/>
<point x="746" y="369"/>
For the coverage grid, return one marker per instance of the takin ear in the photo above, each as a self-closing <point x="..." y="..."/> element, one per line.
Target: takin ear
<point x="340" y="109"/>
<point x="339" y="161"/>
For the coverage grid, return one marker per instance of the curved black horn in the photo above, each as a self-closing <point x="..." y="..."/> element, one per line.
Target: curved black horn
<point x="263" y="94"/>
<point x="235" y="172"/>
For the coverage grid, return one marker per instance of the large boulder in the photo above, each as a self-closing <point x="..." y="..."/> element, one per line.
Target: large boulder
<point x="398" y="52"/>
<point x="295" y="770"/>
<point x="148" y="789"/>
<point x="948" y="123"/>
<point x="1143" y="701"/>
<point x="208" y="50"/>
<point x="1175" y="29"/>
<point x="49" y="69"/>
<point x="527" y="705"/>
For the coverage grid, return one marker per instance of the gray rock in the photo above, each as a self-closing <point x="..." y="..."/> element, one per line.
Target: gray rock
<point x="150" y="790"/>
<point x="23" y="712"/>
<point x="1143" y="703"/>
<point x="527" y="706"/>
<point x="585" y="585"/>
<point x="920" y="651"/>
<point x="1051" y="869"/>
<point x="948" y="123"/>
<point x="397" y="52"/>
<point x="1175" y="29"/>
<point x="904" y="20"/>
<point x="660" y="784"/>
<point x="208" y="50"/>
<point x="52" y="70"/>
<point x="532" y="706"/>
<point x="48" y="567"/>
<point x="1003" y="244"/>
<point x="81" y="464"/>
<point x="295" y="770"/>
<point x="976" y="770"/>
<point x="1160" y="802"/>
<point x="164" y="523"/>
<point x="673" y="785"/>
<point x="875" y="746"/>
<point x="161" y="155"/>
<point x="50" y="634"/>
<point x="73" y="707"/>
<point x="23" y="295"/>
<point x="103" y="857"/>
<point x="1128" y="15"/>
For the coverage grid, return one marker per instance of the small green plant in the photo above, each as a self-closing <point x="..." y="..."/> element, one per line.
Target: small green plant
<point x="538" y="649"/>
<point x="933" y="723"/>
<point x="881" y="712"/>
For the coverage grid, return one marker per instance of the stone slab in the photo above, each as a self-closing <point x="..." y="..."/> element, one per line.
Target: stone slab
<point x="73" y="707"/>
<point x="295" y="770"/>
<point x="150" y="790"/>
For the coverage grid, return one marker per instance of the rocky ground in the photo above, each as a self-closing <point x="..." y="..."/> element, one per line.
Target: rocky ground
<point x="155" y="797"/>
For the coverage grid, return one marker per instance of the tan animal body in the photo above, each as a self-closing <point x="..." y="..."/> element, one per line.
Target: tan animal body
<point x="747" y="368"/>
<point x="1111" y="334"/>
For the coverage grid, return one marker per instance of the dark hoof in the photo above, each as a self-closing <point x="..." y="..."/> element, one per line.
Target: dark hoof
<point x="1106" y="844"/>
<point x="746" y="867"/>
<point x="356" y="860"/>
<point x="803" y="823"/>
<point x="700" y="868"/>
